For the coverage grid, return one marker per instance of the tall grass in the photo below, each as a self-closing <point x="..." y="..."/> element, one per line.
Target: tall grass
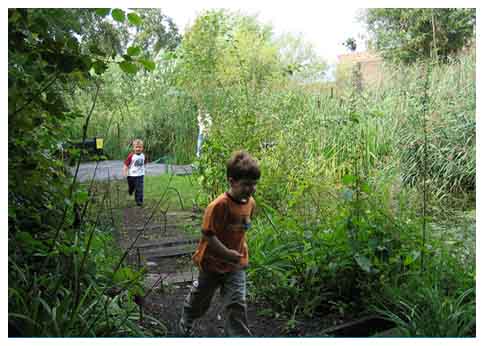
<point x="451" y="124"/>
<point x="427" y="310"/>
<point x="348" y="171"/>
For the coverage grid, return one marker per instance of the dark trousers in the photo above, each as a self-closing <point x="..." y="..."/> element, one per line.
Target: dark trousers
<point x="136" y="185"/>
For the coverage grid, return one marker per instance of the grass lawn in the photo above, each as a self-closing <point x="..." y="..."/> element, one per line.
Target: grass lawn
<point x="161" y="193"/>
<point x="177" y="192"/>
<point x="181" y="190"/>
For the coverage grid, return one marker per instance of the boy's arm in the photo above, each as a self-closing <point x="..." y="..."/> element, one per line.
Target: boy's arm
<point x="221" y="250"/>
<point x="127" y="162"/>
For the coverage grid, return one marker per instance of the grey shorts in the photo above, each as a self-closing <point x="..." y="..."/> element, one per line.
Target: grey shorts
<point x="233" y="291"/>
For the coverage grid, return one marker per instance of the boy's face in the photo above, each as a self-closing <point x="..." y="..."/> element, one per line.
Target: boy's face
<point x="242" y="189"/>
<point x="138" y="148"/>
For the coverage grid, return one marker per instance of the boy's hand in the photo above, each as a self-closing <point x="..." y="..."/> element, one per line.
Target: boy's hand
<point x="234" y="256"/>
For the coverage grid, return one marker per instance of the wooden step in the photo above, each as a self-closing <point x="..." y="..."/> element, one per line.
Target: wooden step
<point x="156" y="255"/>
<point x="158" y="227"/>
<point x="164" y="242"/>
<point x="156" y="234"/>
<point x="167" y="279"/>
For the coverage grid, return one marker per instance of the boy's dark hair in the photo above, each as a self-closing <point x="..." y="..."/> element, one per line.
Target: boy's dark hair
<point x="242" y="166"/>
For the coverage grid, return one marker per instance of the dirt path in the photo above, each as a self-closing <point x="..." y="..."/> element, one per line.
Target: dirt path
<point x="164" y="244"/>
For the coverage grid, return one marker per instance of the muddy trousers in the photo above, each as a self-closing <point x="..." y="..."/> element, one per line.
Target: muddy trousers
<point x="136" y="185"/>
<point x="233" y="291"/>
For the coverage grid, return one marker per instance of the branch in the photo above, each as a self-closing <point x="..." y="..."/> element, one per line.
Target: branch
<point x="75" y="175"/>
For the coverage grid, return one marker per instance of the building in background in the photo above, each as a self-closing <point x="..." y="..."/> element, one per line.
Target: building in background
<point x="370" y="68"/>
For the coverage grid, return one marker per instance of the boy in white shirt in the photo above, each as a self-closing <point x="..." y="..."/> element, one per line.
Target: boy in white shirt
<point x="134" y="170"/>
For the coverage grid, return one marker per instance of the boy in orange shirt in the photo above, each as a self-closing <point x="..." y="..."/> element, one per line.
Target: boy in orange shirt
<point x="222" y="253"/>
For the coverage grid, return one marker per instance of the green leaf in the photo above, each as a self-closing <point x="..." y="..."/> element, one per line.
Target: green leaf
<point x="25" y="237"/>
<point x="377" y="114"/>
<point x="124" y="274"/>
<point x="12" y="212"/>
<point x="348" y="179"/>
<point x="81" y="197"/>
<point x="133" y="51"/>
<point x="134" y="19"/>
<point x="372" y="243"/>
<point x="411" y="257"/>
<point x="103" y="12"/>
<point x="94" y="49"/>
<point x="363" y="262"/>
<point x="24" y="317"/>
<point x="100" y="67"/>
<point x="128" y="67"/>
<point x="148" y="64"/>
<point x="354" y="118"/>
<point x="118" y="15"/>
<point x="365" y="188"/>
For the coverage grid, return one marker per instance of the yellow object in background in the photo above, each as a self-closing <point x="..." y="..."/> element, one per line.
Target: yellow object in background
<point x="99" y="143"/>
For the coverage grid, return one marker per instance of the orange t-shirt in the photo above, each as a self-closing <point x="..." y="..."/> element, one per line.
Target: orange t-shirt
<point x="228" y="220"/>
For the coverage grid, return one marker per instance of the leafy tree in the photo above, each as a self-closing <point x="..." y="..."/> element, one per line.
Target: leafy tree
<point x="44" y="58"/>
<point x="226" y="50"/>
<point x="301" y="59"/>
<point x="48" y="58"/>
<point x="148" y="29"/>
<point x="410" y="34"/>
<point x="100" y="36"/>
<point x="155" y="32"/>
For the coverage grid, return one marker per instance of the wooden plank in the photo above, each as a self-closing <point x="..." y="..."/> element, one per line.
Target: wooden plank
<point x="165" y="242"/>
<point x="365" y="326"/>
<point x="160" y="227"/>
<point x="157" y="255"/>
<point x="166" y="279"/>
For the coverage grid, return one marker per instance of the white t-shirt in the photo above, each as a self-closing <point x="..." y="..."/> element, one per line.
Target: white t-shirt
<point x="204" y="123"/>
<point x="136" y="164"/>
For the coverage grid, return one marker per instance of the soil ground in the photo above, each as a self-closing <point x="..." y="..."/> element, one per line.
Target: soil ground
<point x="166" y="306"/>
